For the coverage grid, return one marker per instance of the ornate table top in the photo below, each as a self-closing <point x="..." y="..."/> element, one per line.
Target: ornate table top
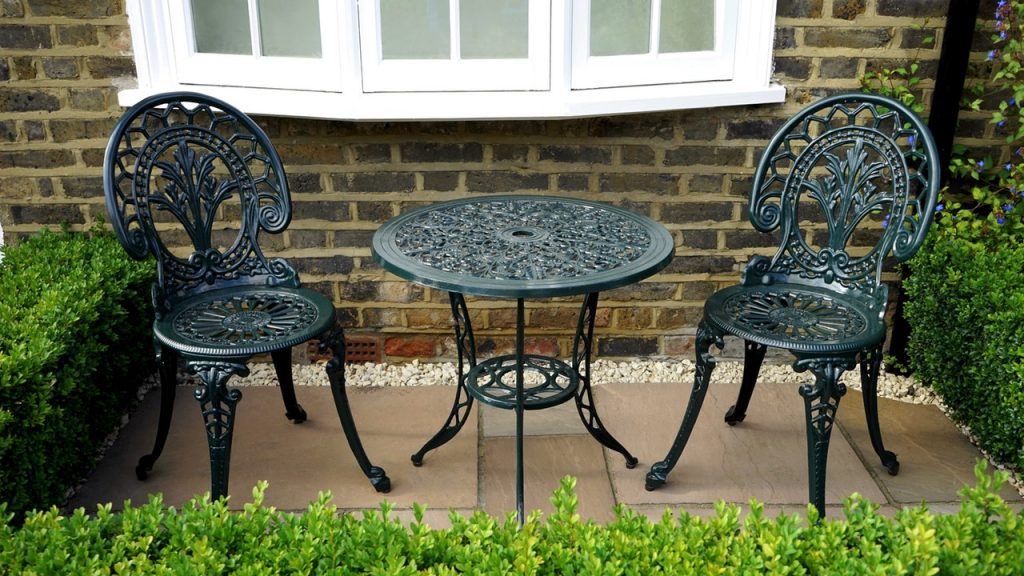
<point x="522" y="246"/>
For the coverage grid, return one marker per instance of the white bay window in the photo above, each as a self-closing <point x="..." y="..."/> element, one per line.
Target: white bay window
<point x="456" y="59"/>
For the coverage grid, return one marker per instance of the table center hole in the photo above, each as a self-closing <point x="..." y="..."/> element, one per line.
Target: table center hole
<point x="523" y="234"/>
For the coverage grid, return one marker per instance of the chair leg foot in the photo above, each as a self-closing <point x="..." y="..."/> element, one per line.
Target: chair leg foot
<point x="144" y="467"/>
<point x="657" y="476"/>
<point x="732" y="418"/>
<point x="379" y="480"/>
<point x="298" y="416"/>
<point x="890" y="463"/>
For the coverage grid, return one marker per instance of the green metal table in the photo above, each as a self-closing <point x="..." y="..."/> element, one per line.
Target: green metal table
<point x="520" y="247"/>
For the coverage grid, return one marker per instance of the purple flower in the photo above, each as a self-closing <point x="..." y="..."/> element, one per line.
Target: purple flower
<point x="910" y="140"/>
<point x="981" y="164"/>
<point x="885" y="221"/>
<point x="991" y="55"/>
<point x="1002" y="35"/>
<point x="1001" y="219"/>
<point x="1001" y="123"/>
<point x="1007" y="207"/>
<point x="1012" y="101"/>
<point x="940" y="207"/>
<point x="1009" y="167"/>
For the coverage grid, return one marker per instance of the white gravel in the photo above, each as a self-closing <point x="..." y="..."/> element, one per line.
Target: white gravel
<point x="416" y="373"/>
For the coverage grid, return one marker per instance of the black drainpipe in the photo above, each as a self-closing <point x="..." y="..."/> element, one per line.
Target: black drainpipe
<point x="949" y="83"/>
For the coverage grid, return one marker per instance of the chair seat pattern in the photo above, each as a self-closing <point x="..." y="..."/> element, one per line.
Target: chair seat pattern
<point x="795" y="317"/>
<point x="244" y="321"/>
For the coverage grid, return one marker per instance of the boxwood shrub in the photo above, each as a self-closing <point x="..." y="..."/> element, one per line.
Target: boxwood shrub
<point x="984" y="537"/>
<point x="75" y="343"/>
<point x="966" y="312"/>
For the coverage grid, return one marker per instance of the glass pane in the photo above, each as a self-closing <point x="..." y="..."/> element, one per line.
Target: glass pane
<point x="620" y="27"/>
<point x="290" y="28"/>
<point x="416" y="29"/>
<point x="687" y="26"/>
<point x="493" y="28"/>
<point x="221" y="26"/>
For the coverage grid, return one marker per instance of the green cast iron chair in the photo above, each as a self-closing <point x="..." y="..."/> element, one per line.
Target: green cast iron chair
<point x="839" y="163"/>
<point x="184" y="168"/>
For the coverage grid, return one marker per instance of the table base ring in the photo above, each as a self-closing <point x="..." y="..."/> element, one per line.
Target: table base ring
<point x="547" y="382"/>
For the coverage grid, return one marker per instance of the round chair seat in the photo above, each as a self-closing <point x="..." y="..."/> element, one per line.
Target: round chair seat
<point x="795" y="317"/>
<point x="245" y="321"/>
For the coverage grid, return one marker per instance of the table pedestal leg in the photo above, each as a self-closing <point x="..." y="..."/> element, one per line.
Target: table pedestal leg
<point x="581" y="348"/>
<point x="520" y="407"/>
<point x="466" y="346"/>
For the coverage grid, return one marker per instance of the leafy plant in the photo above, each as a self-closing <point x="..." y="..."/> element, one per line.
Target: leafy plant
<point x="985" y="537"/>
<point x="994" y="213"/>
<point x="966" y="309"/>
<point x="74" y="346"/>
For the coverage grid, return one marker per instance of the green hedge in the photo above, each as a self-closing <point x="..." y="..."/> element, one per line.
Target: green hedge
<point x="985" y="537"/>
<point x="966" y="312"/>
<point x="75" y="343"/>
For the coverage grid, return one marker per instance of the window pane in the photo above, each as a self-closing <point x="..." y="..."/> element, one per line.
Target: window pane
<point x="290" y="28"/>
<point x="417" y="29"/>
<point x="493" y="28"/>
<point x="687" y="26"/>
<point x="221" y="27"/>
<point x="620" y="27"/>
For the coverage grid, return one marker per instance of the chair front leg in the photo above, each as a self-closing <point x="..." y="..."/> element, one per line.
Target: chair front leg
<point x="218" y="407"/>
<point x="701" y="378"/>
<point x="283" y="367"/>
<point x="821" y="401"/>
<point x="335" y="340"/>
<point x="167" y="360"/>
<point x="870" y="365"/>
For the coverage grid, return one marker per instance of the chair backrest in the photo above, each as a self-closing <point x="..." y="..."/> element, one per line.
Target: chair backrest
<point x="840" y="162"/>
<point x="184" y="168"/>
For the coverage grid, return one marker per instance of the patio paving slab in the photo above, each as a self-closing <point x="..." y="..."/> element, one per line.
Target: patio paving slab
<point x="298" y="460"/>
<point x="936" y="459"/>
<point x="764" y="457"/>
<point x="546" y="460"/>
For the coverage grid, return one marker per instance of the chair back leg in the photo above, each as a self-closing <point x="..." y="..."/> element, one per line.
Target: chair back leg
<point x="870" y="364"/>
<point x="167" y="360"/>
<point x="753" y="357"/>
<point x="283" y="367"/>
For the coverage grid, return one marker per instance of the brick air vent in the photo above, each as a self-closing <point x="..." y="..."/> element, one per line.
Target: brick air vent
<point x="362" y="349"/>
<point x="357" y="349"/>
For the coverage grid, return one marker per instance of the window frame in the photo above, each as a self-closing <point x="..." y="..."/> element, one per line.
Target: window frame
<point x="455" y="75"/>
<point x="152" y="35"/>
<point x="718" y="64"/>
<point x="257" y="71"/>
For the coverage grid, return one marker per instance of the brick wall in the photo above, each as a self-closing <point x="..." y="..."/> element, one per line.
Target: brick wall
<point x="61" y="63"/>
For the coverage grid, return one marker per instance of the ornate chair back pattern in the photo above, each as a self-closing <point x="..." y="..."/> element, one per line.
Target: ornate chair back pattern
<point x="845" y="160"/>
<point x="188" y="162"/>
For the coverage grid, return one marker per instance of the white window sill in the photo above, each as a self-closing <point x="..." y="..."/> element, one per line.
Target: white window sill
<point x="414" y="106"/>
